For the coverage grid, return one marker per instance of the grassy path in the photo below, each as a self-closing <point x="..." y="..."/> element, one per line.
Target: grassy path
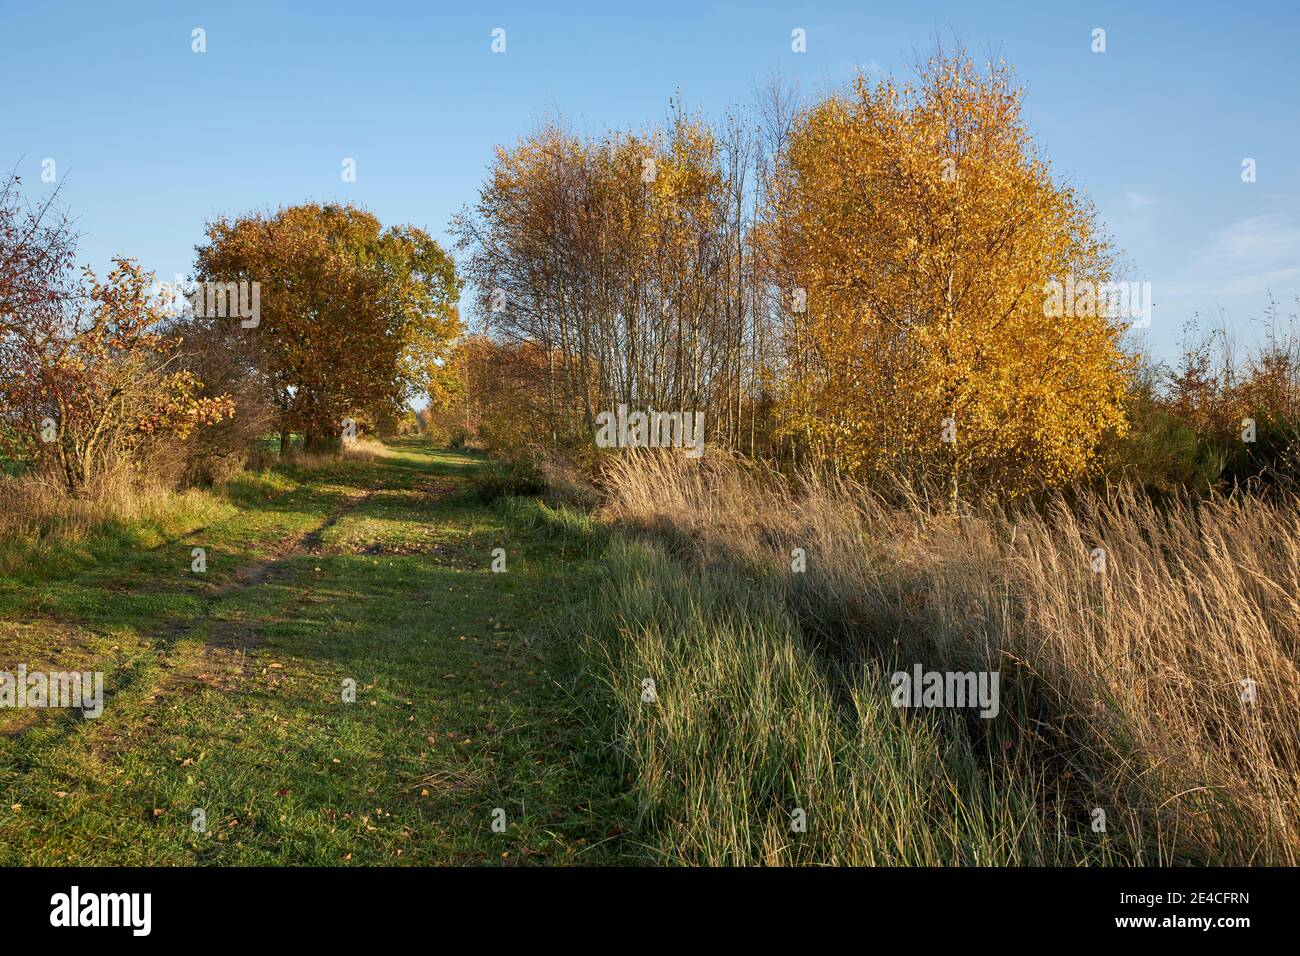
<point x="225" y="689"/>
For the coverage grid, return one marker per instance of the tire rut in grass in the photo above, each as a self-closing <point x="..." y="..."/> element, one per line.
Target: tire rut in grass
<point x="222" y="663"/>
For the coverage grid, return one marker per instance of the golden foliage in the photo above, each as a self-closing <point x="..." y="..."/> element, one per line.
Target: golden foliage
<point x="923" y="228"/>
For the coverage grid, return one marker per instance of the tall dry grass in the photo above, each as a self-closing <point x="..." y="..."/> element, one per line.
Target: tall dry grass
<point x="1122" y="689"/>
<point x="32" y="506"/>
<point x="36" y="508"/>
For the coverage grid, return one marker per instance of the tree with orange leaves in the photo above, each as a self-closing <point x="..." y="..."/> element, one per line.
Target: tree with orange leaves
<point x="92" y="380"/>
<point x="353" y="317"/>
<point x="914" y="231"/>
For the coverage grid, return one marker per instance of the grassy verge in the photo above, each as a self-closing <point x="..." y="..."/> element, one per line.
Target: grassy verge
<point x="751" y="746"/>
<point x="225" y="689"/>
<point x="656" y="686"/>
<point x="1147" y="696"/>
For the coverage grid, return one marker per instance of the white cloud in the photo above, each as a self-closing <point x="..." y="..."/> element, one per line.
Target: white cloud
<point x="1137" y="200"/>
<point x="1248" y="257"/>
<point x="1256" y="242"/>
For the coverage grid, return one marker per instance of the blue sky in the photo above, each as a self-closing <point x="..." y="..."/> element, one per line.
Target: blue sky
<point x="150" y="140"/>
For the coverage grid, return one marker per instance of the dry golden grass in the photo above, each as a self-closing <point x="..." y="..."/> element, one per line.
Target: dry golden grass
<point x="33" y="505"/>
<point x="1123" y="688"/>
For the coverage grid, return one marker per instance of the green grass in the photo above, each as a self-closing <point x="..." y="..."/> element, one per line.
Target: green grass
<point x="475" y="691"/>
<point x="751" y="721"/>
<point x="224" y="690"/>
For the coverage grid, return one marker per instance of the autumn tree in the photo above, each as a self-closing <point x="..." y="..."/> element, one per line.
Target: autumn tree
<point x="354" y="318"/>
<point x="1244" y="413"/>
<point x="221" y="354"/>
<point x="90" y="377"/>
<point x="95" y="383"/>
<point x="36" y="259"/>
<point x="617" y="266"/>
<point x="913" y="230"/>
<point x="36" y="281"/>
<point x="458" y="390"/>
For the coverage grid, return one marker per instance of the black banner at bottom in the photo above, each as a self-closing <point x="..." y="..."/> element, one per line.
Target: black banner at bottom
<point x="329" y="905"/>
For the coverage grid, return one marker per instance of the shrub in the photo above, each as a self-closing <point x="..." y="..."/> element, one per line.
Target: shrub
<point x="513" y="477"/>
